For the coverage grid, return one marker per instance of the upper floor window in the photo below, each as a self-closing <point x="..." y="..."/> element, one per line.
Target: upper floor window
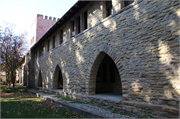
<point x="61" y="37"/>
<point x="128" y="2"/>
<point x="53" y="42"/>
<point x="108" y="8"/>
<point x="41" y="51"/>
<point x="78" y="25"/>
<point x="35" y="55"/>
<point x="73" y="29"/>
<point x="85" y="20"/>
<point x="48" y="46"/>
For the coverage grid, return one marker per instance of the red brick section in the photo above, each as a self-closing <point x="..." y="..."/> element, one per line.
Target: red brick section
<point x="43" y="25"/>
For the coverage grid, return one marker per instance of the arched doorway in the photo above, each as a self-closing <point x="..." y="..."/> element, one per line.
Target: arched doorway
<point x="40" y="80"/>
<point x="105" y="80"/>
<point x="58" y="79"/>
<point x="108" y="79"/>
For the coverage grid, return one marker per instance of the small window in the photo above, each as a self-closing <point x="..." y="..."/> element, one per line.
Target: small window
<point x="73" y="29"/>
<point x="85" y="20"/>
<point x="61" y="37"/>
<point x="108" y="8"/>
<point x="73" y="25"/>
<point x="126" y="3"/>
<point x="53" y="41"/>
<point x="41" y="51"/>
<point x="78" y="26"/>
<point x="48" y="46"/>
<point x="35" y="55"/>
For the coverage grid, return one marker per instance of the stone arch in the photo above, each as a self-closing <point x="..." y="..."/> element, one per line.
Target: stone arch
<point x="57" y="82"/>
<point x="40" y="79"/>
<point x="98" y="56"/>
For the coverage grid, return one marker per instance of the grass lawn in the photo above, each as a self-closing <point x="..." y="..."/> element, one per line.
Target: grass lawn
<point x="19" y="104"/>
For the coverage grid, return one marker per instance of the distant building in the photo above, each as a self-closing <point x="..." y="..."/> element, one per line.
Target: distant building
<point x="3" y="76"/>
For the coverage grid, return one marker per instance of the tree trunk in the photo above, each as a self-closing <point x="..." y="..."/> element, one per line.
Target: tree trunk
<point x="9" y="83"/>
<point x="13" y="85"/>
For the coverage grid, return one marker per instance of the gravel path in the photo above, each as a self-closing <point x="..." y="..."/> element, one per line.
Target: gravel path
<point x="92" y="108"/>
<point x="99" y="111"/>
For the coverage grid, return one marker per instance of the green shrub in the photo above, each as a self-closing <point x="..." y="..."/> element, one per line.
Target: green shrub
<point x="9" y="90"/>
<point x="22" y="90"/>
<point x="3" y="83"/>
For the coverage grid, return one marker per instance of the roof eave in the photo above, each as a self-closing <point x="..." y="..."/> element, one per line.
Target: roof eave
<point x="74" y="9"/>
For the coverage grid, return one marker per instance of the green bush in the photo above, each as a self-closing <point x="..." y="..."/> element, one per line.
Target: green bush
<point x="3" y="83"/>
<point x="9" y="90"/>
<point x="22" y="90"/>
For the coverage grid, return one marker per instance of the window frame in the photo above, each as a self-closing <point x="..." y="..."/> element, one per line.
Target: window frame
<point x="78" y="24"/>
<point x="61" y="37"/>
<point x="109" y="8"/>
<point x="54" y="42"/>
<point x="48" y="46"/>
<point x="125" y="4"/>
<point x="85" y="20"/>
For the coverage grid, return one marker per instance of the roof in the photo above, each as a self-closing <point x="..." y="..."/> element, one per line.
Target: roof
<point x="74" y="9"/>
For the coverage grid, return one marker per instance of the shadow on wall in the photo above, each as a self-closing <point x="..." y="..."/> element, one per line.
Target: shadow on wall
<point x="149" y="57"/>
<point x="40" y="79"/>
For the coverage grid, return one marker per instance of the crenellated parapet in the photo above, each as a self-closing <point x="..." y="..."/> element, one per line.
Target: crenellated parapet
<point x="47" y="17"/>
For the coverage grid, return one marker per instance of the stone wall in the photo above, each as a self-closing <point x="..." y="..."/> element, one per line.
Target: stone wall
<point x="143" y="41"/>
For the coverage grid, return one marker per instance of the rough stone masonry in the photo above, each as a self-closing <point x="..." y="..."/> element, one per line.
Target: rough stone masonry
<point x="143" y="41"/>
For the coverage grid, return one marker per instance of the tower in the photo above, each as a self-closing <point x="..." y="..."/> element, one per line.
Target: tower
<point x="39" y="27"/>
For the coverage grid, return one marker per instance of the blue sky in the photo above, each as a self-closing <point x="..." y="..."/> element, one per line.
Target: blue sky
<point x="23" y="12"/>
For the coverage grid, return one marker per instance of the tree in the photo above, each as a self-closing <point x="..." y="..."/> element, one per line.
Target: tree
<point x="13" y="47"/>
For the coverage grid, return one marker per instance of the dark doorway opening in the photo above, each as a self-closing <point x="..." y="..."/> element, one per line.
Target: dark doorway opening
<point x="60" y="80"/>
<point x="108" y="79"/>
<point x="40" y="80"/>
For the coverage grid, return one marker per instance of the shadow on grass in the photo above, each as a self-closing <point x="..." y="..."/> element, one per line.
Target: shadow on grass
<point x="23" y="105"/>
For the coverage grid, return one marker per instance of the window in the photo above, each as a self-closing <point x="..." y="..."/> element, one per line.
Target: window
<point x="35" y="55"/>
<point x="48" y="46"/>
<point x="85" y="20"/>
<point x="73" y="25"/>
<point x="73" y="29"/>
<point x="78" y="25"/>
<point x="53" y="41"/>
<point x="126" y="3"/>
<point x="41" y="51"/>
<point x="61" y="37"/>
<point x="108" y="8"/>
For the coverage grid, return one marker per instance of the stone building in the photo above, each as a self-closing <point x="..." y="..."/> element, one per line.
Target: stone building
<point x="39" y="27"/>
<point x="22" y="72"/>
<point x="125" y="50"/>
<point x="19" y="72"/>
<point x="2" y="76"/>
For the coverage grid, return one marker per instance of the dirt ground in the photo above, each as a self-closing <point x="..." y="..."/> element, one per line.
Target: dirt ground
<point x="7" y="95"/>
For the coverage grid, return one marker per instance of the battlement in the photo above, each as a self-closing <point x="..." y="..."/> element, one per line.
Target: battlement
<point x="39" y="16"/>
